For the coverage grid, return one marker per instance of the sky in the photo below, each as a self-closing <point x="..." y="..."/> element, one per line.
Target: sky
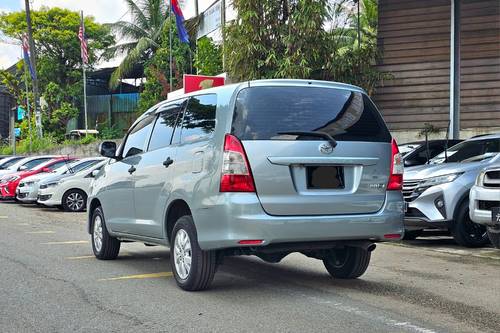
<point x="104" y="11"/>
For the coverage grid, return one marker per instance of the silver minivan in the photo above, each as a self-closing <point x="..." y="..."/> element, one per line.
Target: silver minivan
<point x="261" y="168"/>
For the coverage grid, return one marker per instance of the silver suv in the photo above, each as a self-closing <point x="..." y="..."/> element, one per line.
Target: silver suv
<point x="437" y="195"/>
<point x="261" y="168"/>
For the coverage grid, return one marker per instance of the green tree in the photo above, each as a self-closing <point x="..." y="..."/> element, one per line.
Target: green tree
<point x="208" y="57"/>
<point x="157" y="70"/>
<point x="310" y="39"/>
<point x="55" y="32"/>
<point x="144" y="35"/>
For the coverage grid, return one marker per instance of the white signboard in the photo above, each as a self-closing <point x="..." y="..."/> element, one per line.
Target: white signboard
<point x="210" y="20"/>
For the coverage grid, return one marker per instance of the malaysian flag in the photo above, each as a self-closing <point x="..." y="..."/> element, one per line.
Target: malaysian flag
<point x="26" y="55"/>
<point x="83" y="43"/>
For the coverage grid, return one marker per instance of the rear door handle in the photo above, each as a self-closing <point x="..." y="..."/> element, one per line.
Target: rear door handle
<point x="168" y="162"/>
<point x="132" y="169"/>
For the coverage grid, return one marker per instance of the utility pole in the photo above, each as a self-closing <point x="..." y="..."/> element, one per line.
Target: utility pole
<point x="222" y="26"/>
<point x="38" y="115"/>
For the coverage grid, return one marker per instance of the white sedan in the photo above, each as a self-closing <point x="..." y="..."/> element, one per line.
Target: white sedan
<point x="69" y="193"/>
<point x="27" y="191"/>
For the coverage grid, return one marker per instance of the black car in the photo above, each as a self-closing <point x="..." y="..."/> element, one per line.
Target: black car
<point x="416" y="153"/>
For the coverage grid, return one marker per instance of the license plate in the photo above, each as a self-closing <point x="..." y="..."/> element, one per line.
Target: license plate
<point x="495" y="214"/>
<point x="325" y="177"/>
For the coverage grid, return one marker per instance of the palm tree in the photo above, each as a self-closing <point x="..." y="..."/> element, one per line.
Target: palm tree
<point x="142" y="35"/>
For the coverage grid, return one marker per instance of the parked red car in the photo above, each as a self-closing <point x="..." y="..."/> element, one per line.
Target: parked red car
<point x="9" y="183"/>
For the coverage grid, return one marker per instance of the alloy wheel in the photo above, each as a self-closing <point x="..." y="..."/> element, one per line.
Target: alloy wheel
<point x="75" y="201"/>
<point x="97" y="234"/>
<point x="182" y="254"/>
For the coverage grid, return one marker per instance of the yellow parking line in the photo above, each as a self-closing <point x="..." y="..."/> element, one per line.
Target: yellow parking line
<point x="63" y="243"/>
<point x="140" y="276"/>
<point x="92" y="257"/>
<point x="80" y="257"/>
<point x="40" y="232"/>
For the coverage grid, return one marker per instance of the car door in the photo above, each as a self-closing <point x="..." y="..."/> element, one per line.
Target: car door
<point x="117" y="194"/>
<point x="153" y="178"/>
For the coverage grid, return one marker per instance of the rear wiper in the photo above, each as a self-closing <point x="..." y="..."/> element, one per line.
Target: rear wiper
<point x="323" y="135"/>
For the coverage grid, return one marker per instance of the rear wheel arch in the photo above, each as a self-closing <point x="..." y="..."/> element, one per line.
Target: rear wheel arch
<point x="93" y="205"/>
<point x="176" y="209"/>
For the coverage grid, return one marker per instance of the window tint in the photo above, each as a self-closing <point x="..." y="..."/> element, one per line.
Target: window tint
<point x="58" y="164"/>
<point x="33" y="163"/>
<point x="164" y="128"/>
<point x="199" y="118"/>
<point x="470" y="149"/>
<point x="9" y="163"/>
<point x="137" y="137"/>
<point x="263" y="112"/>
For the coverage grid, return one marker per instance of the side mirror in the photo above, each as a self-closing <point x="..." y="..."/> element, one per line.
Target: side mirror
<point x="108" y="149"/>
<point x="22" y="168"/>
<point x="94" y="173"/>
<point x="45" y="169"/>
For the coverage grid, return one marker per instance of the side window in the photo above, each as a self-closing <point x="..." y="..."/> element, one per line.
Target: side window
<point x="58" y="164"/>
<point x="164" y="127"/>
<point x="199" y="118"/>
<point x="137" y="137"/>
<point x="33" y="163"/>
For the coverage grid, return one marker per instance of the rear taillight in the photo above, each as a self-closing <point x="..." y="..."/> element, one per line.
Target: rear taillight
<point x="236" y="174"/>
<point x="396" y="176"/>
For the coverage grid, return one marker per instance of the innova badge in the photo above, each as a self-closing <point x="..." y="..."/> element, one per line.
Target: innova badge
<point x="325" y="148"/>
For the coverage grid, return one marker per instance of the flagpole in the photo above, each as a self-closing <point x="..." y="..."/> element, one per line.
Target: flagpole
<point x="84" y="82"/>
<point x="27" y="103"/>
<point x="170" y="42"/>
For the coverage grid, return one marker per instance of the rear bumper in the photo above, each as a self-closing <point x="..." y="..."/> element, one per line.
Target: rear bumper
<point x="483" y="216"/>
<point x="239" y="216"/>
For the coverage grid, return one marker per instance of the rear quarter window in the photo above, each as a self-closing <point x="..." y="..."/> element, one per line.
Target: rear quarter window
<point x="198" y="121"/>
<point x="263" y="112"/>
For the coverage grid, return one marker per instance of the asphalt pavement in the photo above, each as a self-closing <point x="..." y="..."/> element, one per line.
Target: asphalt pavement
<point x="50" y="282"/>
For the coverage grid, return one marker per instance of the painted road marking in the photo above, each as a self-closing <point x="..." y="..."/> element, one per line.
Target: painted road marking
<point x="68" y="242"/>
<point x="3" y="217"/>
<point x="93" y="257"/>
<point x="40" y="232"/>
<point x="22" y="224"/>
<point x="80" y="257"/>
<point x="140" y="276"/>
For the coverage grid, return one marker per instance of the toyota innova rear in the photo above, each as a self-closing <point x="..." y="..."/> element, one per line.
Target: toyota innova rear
<point x="266" y="168"/>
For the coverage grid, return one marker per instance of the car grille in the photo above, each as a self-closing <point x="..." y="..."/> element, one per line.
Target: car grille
<point x="488" y="205"/>
<point x="22" y="195"/>
<point x="492" y="179"/>
<point x="411" y="190"/>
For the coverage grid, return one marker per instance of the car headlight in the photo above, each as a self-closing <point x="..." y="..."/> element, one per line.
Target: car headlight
<point x="53" y="184"/>
<point x="11" y="179"/>
<point x="440" y="179"/>
<point x="480" y="178"/>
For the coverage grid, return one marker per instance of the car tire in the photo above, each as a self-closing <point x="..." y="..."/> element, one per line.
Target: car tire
<point x="74" y="200"/>
<point x="193" y="268"/>
<point x="412" y="234"/>
<point x="347" y="263"/>
<point x="494" y="235"/>
<point x="465" y="232"/>
<point x="104" y="246"/>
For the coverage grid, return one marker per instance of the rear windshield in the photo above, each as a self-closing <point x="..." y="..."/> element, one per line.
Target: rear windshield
<point x="263" y="112"/>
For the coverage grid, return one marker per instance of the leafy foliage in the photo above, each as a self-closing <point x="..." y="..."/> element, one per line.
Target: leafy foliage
<point x="208" y="57"/>
<point x="309" y="39"/>
<point x="55" y="32"/>
<point x="157" y="70"/>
